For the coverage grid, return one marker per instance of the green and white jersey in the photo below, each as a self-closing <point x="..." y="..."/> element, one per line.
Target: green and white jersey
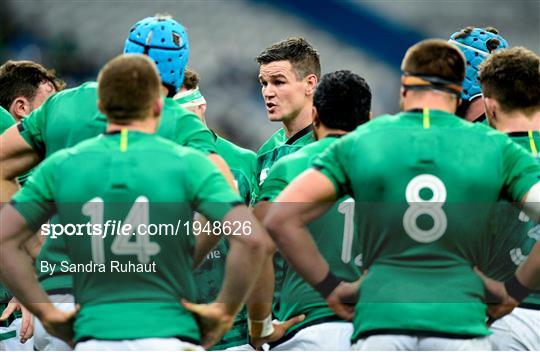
<point x="514" y="234"/>
<point x="416" y="185"/>
<point x="278" y="146"/>
<point x="275" y="148"/>
<point x="334" y="233"/>
<point x="72" y="116"/>
<point x="139" y="179"/>
<point x="209" y="276"/>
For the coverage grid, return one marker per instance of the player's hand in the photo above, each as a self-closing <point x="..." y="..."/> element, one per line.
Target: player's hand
<point x="344" y="297"/>
<point x="504" y="303"/>
<point x="60" y="324"/>
<point x="280" y="328"/>
<point x="27" y="324"/>
<point x="213" y="321"/>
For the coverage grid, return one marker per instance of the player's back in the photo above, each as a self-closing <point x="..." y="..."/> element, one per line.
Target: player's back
<point x="334" y="234"/>
<point x="72" y="116"/>
<point x="119" y="279"/>
<point x="421" y="209"/>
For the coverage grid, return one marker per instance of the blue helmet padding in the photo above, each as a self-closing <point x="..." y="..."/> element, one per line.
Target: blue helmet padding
<point x="474" y="47"/>
<point x="166" y="42"/>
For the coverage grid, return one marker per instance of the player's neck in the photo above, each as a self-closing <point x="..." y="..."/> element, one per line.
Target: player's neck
<point x="299" y="122"/>
<point x="147" y="126"/>
<point x="431" y="101"/>
<point x="517" y="122"/>
<point x="322" y="132"/>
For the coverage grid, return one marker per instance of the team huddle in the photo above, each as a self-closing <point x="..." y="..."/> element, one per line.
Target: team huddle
<point x="408" y="231"/>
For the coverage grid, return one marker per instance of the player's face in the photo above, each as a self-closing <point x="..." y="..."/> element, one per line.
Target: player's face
<point x="283" y="92"/>
<point x="45" y="90"/>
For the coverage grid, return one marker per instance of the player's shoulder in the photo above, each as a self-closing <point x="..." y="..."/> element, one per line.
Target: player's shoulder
<point x="176" y="111"/>
<point x="244" y="153"/>
<point x="275" y="139"/>
<point x="85" y="89"/>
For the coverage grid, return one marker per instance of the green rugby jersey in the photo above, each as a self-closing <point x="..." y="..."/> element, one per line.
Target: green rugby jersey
<point x="416" y="185"/>
<point x="6" y="120"/>
<point x="276" y="147"/>
<point x="514" y="234"/>
<point x="137" y="178"/>
<point x="209" y="276"/>
<point x="334" y="233"/>
<point x="243" y="164"/>
<point x="71" y="116"/>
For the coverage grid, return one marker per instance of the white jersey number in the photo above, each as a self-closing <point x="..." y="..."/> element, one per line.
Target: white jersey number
<point x="138" y="215"/>
<point x="431" y="207"/>
<point x="347" y="208"/>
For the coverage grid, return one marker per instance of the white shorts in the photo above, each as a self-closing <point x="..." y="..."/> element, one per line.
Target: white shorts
<point x="416" y="343"/>
<point x="42" y="340"/>
<point x="518" y="331"/>
<point x="10" y="338"/>
<point x="334" y="336"/>
<point x="152" y="344"/>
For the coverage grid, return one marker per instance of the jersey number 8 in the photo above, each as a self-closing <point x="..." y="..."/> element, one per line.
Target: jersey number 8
<point x="430" y="207"/>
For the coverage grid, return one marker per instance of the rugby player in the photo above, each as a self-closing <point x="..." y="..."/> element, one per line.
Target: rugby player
<point x="72" y="116"/>
<point x="414" y="184"/>
<point x="342" y="102"/>
<point x="510" y="82"/>
<point x="476" y="44"/>
<point x="136" y="309"/>
<point x="242" y="162"/>
<point x="24" y="86"/>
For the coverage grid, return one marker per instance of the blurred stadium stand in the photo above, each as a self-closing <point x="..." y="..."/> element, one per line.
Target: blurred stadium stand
<point x="369" y="38"/>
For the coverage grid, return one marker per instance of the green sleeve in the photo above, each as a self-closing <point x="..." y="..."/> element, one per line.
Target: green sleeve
<point x="32" y="127"/>
<point x="208" y="190"/>
<point x="275" y="182"/>
<point x="6" y="120"/>
<point x="191" y="132"/>
<point x="332" y="163"/>
<point x="35" y="201"/>
<point x="521" y="170"/>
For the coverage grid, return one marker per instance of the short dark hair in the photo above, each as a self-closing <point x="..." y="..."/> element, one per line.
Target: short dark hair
<point x="435" y="57"/>
<point x="127" y="87"/>
<point x="302" y="56"/>
<point x="191" y="79"/>
<point x="22" y="78"/>
<point x="342" y="100"/>
<point x="512" y="77"/>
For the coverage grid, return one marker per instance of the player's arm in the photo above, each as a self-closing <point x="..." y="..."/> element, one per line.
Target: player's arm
<point x="29" y="209"/>
<point x="309" y="196"/>
<point x="222" y="166"/>
<point x="249" y="246"/>
<point x="16" y="157"/>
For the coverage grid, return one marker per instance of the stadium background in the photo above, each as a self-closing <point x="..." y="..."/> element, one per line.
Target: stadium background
<point x="369" y="38"/>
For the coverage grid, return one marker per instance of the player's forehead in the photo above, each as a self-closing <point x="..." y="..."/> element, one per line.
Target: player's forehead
<point x="275" y="69"/>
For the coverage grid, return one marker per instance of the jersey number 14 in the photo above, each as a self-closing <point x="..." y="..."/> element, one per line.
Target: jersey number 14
<point x="122" y="245"/>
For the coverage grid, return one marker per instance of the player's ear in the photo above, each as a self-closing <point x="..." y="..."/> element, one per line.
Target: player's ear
<point x="20" y="107"/>
<point x="157" y="107"/>
<point x="315" y="116"/>
<point x="311" y="83"/>
<point x="100" y="107"/>
<point x="491" y="106"/>
<point x="203" y="109"/>
<point x="371" y="115"/>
